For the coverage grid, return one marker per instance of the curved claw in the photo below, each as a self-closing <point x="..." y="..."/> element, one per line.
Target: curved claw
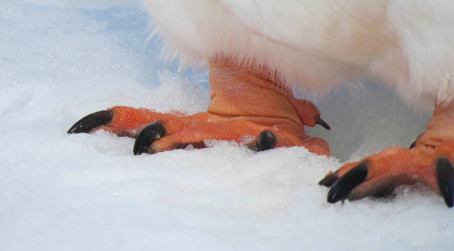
<point x="346" y="183"/>
<point x="329" y="179"/>
<point x="445" y="180"/>
<point x="91" y="121"/>
<point x="149" y="134"/>
<point x="265" y="141"/>
<point x="321" y="122"/>
<point x="412" y="145"/>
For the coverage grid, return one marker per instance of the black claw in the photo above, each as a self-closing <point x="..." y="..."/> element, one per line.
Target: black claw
<point x="329" y="179"/>
<point x="346" y="183"/>
<point x="412" y="145"/>
<point x="265" y="141"/>
<point x="89" y="122"/>
<point x="445" y="180"/>
<point x="322" y="123"/>
<point x="149" y="134"/>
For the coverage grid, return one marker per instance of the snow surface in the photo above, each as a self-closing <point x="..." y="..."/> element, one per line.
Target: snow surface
<point x="60" y="60"/>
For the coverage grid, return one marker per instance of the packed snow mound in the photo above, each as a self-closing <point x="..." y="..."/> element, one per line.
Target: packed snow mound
<point x="59" y="62"/>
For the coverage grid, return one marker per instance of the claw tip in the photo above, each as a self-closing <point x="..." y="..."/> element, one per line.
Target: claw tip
<point x="149" y="134"/>
<point x="265" y="141"/>
<point x="348" y="182"/>
<point x="321" y="122"/>
<point x="329" y="179"/>
<point x="445" y="179"/>
<point x="91" y="121"/>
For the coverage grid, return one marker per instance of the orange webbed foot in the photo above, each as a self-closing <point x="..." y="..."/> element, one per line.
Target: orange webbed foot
<point x="156" y="132"/>
<point x="247" y="106"/>
<point x="429" y="161"/>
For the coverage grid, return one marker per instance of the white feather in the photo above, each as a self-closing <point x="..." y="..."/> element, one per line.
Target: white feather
<point x="320" y="44"/>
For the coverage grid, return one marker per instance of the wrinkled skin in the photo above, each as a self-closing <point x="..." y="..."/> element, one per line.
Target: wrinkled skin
<point x="429" y="161"/>
<point x="250" y="105"/>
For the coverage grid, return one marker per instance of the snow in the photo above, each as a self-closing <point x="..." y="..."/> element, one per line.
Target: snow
<point x="60" y="60"/>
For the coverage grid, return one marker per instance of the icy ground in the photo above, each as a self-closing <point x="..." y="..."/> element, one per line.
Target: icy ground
<point x="60" y="60"/>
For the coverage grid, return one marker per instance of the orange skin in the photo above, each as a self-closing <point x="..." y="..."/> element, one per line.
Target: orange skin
<point x="245" y="100"/>
<point x="397" y="165"/>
